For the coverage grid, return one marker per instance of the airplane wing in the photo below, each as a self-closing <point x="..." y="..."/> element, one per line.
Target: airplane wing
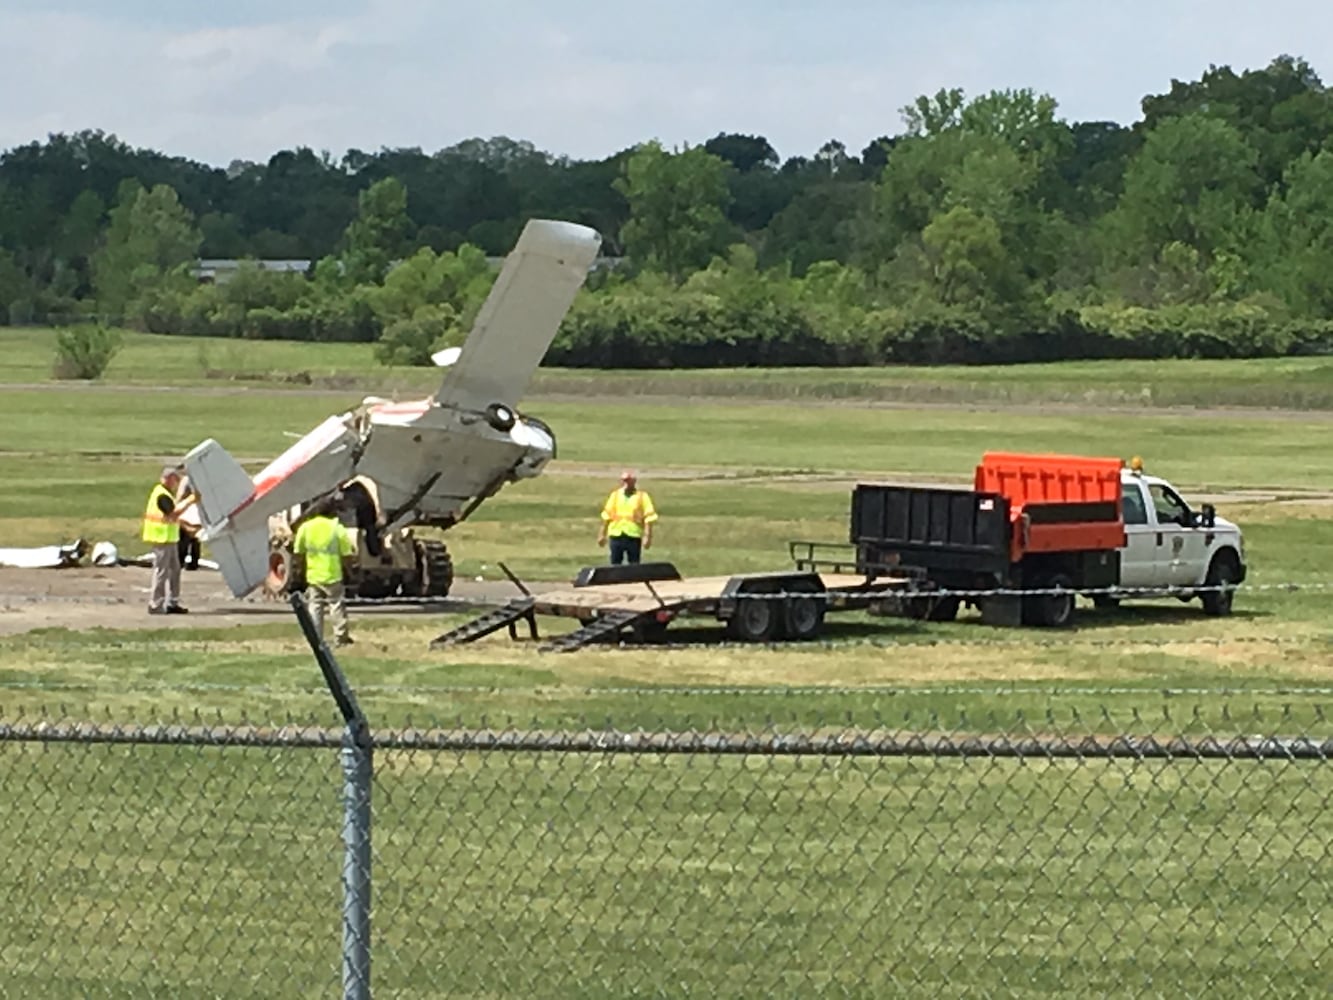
<point x="520" y="317"/>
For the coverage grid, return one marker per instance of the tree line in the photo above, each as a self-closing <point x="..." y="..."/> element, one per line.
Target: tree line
<point x="985" y="229"/>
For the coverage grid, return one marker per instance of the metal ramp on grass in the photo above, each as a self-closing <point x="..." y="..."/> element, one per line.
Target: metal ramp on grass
<point x="602" y="627"/>
<point x="519" y="609"/>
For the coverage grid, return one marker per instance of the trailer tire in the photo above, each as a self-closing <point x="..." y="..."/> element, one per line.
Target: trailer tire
<point x="1222" y="573"/>
<point x="1106" y="602"/>
<point x="756" y="619"/>
<point x="1050" y="610"/>
<point x="803" y="613"/>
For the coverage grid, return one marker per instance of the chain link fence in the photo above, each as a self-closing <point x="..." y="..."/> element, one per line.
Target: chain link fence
<point x="1140" y="855"/>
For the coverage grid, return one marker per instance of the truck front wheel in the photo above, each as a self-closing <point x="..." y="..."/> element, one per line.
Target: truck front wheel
<point x="1221" y="581"/>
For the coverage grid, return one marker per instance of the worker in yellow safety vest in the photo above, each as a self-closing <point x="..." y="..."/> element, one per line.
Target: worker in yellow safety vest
<point x="324" y="551"/>
<point x="161" y="530"/>
<point x="627" y="520"/>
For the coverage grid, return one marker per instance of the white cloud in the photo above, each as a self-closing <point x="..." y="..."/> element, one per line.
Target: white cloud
<point x="589" y="80"/>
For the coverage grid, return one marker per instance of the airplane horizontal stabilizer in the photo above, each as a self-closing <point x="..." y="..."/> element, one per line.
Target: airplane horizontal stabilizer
<point x="521" y="315"/>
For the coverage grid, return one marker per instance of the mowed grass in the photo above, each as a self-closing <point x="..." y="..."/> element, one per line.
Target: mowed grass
<point x="26" y="356"/>
<point x="735" y="482"/>
<point x="188" y="871"/>
<point x="216" y="870"/>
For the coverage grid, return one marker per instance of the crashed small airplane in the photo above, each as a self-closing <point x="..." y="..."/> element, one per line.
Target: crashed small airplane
<point x="434" y="460"/>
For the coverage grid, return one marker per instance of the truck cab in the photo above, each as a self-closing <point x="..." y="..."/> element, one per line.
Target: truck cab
<point x="1170" y="546"/>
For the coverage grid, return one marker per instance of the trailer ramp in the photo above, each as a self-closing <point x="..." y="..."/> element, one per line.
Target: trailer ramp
<point x="603" y="627"/>
<point x="516" y="610"/>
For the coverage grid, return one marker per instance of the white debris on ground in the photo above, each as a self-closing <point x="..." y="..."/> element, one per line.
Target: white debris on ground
<point x="72" y="555"/>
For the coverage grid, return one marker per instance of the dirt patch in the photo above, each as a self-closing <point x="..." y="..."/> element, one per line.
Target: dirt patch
<point x="117" y="598"/>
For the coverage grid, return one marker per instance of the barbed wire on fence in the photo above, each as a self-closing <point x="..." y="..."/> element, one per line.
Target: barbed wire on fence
<point x="1028" y="741"/>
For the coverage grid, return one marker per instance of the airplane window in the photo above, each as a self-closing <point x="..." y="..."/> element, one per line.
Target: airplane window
<point x="1170" y="508"/>
<point x="1132" y="502"/>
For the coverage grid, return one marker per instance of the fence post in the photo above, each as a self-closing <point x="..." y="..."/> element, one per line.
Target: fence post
<point x="358" y="774"/>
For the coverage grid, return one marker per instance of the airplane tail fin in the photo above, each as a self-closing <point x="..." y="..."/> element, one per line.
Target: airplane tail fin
<point x="217" y="480"/>
<point x="243" y="558"/>
<point x="221" y="486"/>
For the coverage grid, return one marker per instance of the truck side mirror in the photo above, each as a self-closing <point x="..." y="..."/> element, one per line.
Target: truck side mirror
<point x="1208" y="517"/>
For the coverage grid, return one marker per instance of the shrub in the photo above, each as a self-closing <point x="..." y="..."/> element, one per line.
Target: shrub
<point x="413" y="341"/>
<point x="83" y="352"/>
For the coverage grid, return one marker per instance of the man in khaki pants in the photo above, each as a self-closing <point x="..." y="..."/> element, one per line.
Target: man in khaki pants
<point x="162" y="530"/>
<point x="323" y="548"/>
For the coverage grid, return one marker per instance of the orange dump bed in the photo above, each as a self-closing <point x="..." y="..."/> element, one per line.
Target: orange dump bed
<point x="1057" y="503"/>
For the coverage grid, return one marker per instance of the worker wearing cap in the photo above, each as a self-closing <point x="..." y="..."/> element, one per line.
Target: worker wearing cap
<point x="627" y="521"/>
<point x="323" y="549"/>
<point x="161" y="530"/>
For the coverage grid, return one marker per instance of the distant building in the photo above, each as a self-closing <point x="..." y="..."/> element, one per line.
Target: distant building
<point x="219" y="270"/>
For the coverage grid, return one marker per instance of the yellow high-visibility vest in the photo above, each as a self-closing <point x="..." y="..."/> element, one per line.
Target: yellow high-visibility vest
<point x="626" y="515"/>
<point x="323" y="541"/>
<point x="157" y="530"/>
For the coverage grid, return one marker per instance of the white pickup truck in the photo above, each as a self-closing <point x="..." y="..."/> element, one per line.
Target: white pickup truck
<point x="1169" y="545"/>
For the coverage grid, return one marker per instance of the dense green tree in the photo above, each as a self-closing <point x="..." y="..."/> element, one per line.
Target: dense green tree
<point x="744" y="152"/>
<point x="1282" y="110"/>
<point x="379" y="234"/>
<point x="820" y="224"/>
<point x="1292" y="257"/>
<point x="150" y="243"/>
<point x="1191" y="183"/>
<point x="676" y="203"/>
<point x="966" y="261"/>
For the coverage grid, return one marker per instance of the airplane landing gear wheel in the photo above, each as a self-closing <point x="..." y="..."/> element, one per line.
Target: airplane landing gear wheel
<point x="501" y="417"/>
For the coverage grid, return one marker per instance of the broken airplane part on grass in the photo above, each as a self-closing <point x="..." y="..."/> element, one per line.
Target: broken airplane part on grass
<point x="433" y="460"/>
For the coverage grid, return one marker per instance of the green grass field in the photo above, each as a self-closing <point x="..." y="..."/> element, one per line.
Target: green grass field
<point x="148" y="360"/>
<point x="614" y="875"/>
<point x="596" y="875"/>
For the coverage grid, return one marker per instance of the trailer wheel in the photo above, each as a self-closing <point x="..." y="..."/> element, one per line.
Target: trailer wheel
<point x="755" y="620"/>
<point x="1050" y="610"/>
<point x="1221" y="574"/>
<point x="803" y="616"/>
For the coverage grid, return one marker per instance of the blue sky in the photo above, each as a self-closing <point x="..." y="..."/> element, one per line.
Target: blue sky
<point x="246" y="78"/>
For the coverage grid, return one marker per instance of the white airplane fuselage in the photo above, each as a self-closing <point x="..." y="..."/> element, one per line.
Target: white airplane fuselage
<point x="433" y="460"/>
<point x="428" y="462"/>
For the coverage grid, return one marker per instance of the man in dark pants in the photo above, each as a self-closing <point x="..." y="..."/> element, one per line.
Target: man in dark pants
<point x="627" y="521"/>
<point x="187" y="549"/>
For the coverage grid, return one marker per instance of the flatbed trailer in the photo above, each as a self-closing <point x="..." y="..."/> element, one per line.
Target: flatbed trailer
<point x="639" y="602"/>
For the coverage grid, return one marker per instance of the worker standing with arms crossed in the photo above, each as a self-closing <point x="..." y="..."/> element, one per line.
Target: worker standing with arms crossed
<point x="323" y="550"/>
<point x="627" y="521"/>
